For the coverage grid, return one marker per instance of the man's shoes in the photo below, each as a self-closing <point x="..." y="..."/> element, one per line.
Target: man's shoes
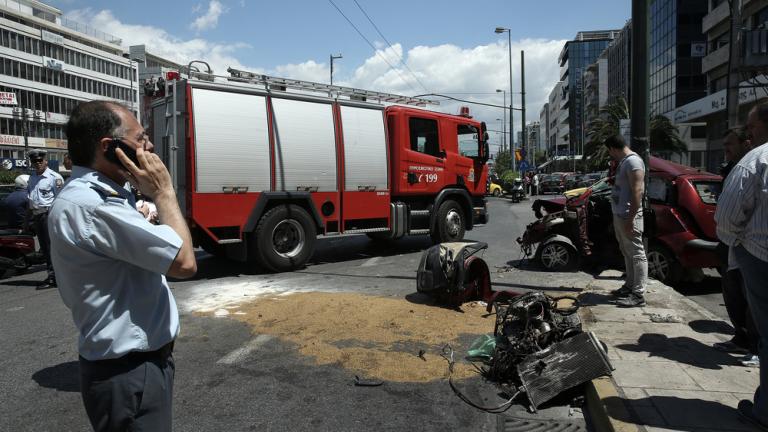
<point x="746" y="412"/>
<point x="632" y="300"/>
<point x="750" y="360"/>
<point x="730" y="347"/>
<point x="624" y="291"/>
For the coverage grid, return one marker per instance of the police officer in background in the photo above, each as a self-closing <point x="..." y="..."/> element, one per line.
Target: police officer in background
<point x="44" y="184"/>
<point x="112" y="264"/>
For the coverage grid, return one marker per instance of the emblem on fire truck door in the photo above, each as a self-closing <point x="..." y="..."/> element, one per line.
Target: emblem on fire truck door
<point x="471" y="176"/>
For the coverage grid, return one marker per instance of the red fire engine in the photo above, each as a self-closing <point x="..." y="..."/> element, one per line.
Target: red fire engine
<point x="262" y="165"/>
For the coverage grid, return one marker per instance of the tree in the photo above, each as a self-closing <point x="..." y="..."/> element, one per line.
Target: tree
<point x="501" y="164"/>
<point x="664" y="135"/>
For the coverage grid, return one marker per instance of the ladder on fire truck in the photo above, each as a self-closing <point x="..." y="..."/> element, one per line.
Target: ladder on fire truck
<point x="275" y="83"/>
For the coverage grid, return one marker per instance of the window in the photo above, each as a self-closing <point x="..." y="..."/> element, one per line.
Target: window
<point x="698" y="132"/>
<point x="708" y="191"/>
<point x="657" y="189"/>
<point x="424" y="137"/>
<point x="469" y="144"/>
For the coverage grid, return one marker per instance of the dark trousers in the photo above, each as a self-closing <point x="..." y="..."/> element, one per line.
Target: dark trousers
<point x="735" y="300"/>
<point x="755" y="281"/>
<point x="132" y="393"/>
<point x="40" y="224"/>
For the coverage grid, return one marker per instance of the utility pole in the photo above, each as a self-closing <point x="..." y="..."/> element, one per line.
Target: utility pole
<point x="734" y="64"/>
<point x="639" y="109"/>
<point x="333" y="57"/>
<point x="524" y="146"/>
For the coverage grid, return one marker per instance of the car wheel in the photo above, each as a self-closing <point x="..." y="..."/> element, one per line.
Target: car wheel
<point x="662" y="266"/>
<point x="285" y="238"/>
<point x="449" y="223"/>
<point x="496" y="192"/>
<point x="557" y="256"/>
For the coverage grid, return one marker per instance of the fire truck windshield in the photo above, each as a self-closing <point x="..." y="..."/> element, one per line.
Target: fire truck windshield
<point x="469" y="144"/>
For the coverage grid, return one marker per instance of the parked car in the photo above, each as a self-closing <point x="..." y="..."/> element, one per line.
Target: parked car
<point x="572" y="181"/>
<point x="588" y="180"/>
<point x="552" y="183"/>
<point x="682" y="209"/>
<point x="597" y="186"/>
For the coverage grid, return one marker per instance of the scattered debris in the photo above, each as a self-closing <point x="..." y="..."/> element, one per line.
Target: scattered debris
<point x="367" y="383"/>
<point x="421" y="355"/>
<point x="453" y="273"/>
<point x="659" y="318"/>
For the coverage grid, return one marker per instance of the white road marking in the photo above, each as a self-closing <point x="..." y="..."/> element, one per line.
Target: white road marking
<point x="240" y="354"/>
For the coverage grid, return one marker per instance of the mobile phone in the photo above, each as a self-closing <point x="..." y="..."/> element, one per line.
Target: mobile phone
<point x="111" y="155"/>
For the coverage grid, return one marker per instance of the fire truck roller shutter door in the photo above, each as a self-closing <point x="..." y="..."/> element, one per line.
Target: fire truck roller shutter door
<point x="305" y="146"/>
<point x="231" y="141"/>
<point x="365" y="151"/>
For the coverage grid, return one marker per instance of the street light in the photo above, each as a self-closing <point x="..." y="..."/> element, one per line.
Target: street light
<point x="500" y="30"/>
<point x="130" y="67"/>
<point x="504" y="112"/>
<point x="333" y="57"/>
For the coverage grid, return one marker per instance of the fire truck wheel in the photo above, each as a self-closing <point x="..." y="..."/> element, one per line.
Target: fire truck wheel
<point x="449" y="224"/>
<point x="285" y="238"/>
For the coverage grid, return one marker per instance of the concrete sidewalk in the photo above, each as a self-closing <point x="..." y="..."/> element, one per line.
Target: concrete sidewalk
<point x="668" y="376"/>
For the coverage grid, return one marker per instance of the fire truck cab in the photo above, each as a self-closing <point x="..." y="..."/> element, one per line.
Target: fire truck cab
<point x="262" y="166"/>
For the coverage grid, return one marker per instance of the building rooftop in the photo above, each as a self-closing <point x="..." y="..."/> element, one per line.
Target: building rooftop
<point x="53" y="15"/>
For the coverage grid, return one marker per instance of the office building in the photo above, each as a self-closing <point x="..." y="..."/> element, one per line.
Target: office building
<point x="620" y="65"/>
<point x="595" y="89"/>
<point x="574" y="58"/>
<point x="751" y="62"/>
<point x="50" y="64"/>
<point x="544" y="128"/>
<point x="677" y="46"/>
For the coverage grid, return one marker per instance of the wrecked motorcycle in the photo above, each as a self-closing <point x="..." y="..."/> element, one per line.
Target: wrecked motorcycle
<point x="17" y="251"/>
<point x="540" y="349"/>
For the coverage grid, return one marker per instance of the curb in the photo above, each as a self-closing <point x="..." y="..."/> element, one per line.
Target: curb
<point x="603" y="398"/>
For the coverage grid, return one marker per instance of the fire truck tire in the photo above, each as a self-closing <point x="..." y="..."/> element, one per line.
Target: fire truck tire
<point x="449" y="223"/>
<point x="285" y="238"/>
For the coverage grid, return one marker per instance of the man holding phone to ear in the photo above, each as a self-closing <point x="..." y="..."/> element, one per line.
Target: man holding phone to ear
<point x="112" y="265"/>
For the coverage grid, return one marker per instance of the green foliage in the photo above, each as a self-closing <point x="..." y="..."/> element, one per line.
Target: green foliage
<point x="7" y="177"/>
<point x="509" y="176"/>
<point x="540" y="157"/>
<point x="501" y="163"/>
<point x="664" y="135"/>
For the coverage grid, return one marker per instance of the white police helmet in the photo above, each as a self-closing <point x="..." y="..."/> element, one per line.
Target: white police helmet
<point x="21" y="181"/>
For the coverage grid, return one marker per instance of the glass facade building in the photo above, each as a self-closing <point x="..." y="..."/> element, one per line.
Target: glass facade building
<point x="576" y="56"/>
<point x="675" y="53"/>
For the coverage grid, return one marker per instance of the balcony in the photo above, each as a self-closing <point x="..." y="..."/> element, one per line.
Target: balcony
<point x="755" y="49"/>
<point x="715" y="17"/>
<point x="714" y="59"/>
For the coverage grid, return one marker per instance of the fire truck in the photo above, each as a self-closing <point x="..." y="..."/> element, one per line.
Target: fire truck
<point x="263" y="165"/>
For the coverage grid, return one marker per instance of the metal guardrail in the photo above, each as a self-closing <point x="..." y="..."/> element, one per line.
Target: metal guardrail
<point x="64" y="22"/>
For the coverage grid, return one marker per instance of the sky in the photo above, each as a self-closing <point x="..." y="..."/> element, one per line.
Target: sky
<point x="407" y="46"/>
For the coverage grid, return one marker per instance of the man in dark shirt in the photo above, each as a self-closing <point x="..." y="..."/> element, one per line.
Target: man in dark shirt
<point x="16" y="203"/>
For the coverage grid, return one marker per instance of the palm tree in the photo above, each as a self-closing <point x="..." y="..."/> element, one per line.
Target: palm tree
<point x="664" y="135"/>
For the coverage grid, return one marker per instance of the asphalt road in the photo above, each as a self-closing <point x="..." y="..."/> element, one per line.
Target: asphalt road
<point x="274" y="387"/>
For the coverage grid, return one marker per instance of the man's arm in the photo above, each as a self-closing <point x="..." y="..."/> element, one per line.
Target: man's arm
<point x="637" y="187"/>
<point x="154" y="181"/>
<point x="734" y="206"/>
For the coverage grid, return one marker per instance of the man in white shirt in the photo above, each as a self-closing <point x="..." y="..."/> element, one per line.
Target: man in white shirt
<point x="742" y="224"/>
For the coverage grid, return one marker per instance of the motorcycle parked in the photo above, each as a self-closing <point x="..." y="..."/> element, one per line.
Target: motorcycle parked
<point x="17" y="251"/>
<point x="517" y="191"/>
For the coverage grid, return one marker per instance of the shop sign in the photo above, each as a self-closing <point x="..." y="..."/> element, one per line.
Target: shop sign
<point x="11" y="140"/>
<point x="52" y="37"/>
<point x="8" y="98"/>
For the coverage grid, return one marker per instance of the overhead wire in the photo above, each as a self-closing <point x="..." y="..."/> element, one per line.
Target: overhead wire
<point x="390" y="46"/>
<point x="378" y="53"/>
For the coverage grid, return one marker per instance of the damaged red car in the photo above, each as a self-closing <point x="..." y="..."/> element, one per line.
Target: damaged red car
<point x="580" y="230"/>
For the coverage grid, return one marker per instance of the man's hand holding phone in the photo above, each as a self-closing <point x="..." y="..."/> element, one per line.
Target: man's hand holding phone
<point x="150" y="177"/>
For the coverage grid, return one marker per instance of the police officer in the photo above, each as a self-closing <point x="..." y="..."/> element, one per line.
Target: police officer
<point x="44" y="184"/>
<point x="111" y="265"/>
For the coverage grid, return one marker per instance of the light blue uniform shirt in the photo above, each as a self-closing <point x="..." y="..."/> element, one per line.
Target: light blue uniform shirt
<point x="110" y="268"/>
<point x="42" y="189"/>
